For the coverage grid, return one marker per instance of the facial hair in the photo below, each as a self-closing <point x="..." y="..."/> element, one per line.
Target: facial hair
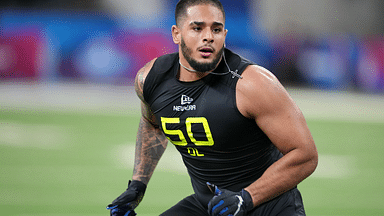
<point x="198" y="66"/>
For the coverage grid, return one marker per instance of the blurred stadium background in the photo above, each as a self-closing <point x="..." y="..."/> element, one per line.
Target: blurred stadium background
<point x="69" y="114"/>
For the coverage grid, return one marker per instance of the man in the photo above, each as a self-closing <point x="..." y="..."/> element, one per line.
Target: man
<point x="245" y="143"/>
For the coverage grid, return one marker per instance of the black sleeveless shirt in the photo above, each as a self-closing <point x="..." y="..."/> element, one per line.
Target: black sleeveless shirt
<point x="217" y="143"/>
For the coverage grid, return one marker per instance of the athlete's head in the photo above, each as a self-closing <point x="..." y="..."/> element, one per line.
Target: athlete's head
<point x="200" y="33"/>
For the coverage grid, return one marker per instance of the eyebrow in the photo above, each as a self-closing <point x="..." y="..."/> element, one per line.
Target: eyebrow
<point x="203" y="23"/>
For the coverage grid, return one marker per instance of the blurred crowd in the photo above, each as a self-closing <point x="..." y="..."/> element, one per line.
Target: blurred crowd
<point x="107" y="41"/>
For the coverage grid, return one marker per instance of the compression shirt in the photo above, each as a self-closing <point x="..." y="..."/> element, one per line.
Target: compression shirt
<point x="217" y="143"/>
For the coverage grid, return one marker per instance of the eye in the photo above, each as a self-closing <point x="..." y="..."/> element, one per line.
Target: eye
<point x="197" y="28"/>
<point x="217" y="30"/>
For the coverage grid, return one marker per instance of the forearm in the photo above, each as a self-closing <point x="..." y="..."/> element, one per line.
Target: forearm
<point x="282" y="176"/>
<point x="150" y="146"/>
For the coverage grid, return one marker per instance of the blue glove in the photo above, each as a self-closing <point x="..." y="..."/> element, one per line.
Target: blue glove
<point x="121" y="211"/>
<point x="125" y="204"/>
<point x="229" y="203"/>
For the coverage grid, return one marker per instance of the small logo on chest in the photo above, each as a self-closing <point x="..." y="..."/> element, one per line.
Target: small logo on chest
<point x="185" y="104"/>
<point x="186" y="100"/>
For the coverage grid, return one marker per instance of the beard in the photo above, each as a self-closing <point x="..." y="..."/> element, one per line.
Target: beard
<point x="199" y="66"/>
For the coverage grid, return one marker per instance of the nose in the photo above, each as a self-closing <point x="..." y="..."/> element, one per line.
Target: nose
<point x="208" y="36"/>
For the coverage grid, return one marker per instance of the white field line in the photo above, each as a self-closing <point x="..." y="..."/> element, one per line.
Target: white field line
<point x="330" y="166"/>
<point x="54" y="137"/>
<point x="122" y="100"/>
<point x="335" y="166"/>
<point x="83" y="98"/>
<point x="33" y="135"/>
<point x="317" y="104"/>
<point x="123" y="157"/>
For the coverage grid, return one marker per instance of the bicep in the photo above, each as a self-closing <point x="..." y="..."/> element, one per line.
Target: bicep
<point x="274" y="111"/>
<point x="140" y="79"/>
<point x="149" y="130"/>
<point x="141" y="75"/>
<point x="284" y="124"/>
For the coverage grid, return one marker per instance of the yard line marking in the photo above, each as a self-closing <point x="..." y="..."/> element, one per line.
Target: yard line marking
<point x="124" y="156"/>
<point x="329" y="166"/>
<point x="338" y="105"/>
<point x="335" y="166"/>
<point x="32" y="135"/>
<point x="122" y="100"/>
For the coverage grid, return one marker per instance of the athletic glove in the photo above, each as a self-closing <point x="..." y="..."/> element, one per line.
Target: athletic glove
<point x="125" y="204"/>
<point x="229" y="203"/>
<point x="121" y="212"/>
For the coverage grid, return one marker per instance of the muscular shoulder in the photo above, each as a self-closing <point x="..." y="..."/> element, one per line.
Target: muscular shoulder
<point x="259" y="92"/>
<point x="140" y="78"/>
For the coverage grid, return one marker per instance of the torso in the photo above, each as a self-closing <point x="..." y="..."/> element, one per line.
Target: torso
<point x="202" y="119"/>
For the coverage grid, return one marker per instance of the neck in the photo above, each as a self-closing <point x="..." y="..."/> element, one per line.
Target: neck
<point x="191" y="75"/>
<point x="188" y="69"/>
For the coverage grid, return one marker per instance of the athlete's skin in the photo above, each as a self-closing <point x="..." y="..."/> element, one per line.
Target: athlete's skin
<point x="259" y="96"/>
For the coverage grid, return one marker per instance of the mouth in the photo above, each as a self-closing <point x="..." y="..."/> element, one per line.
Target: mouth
<point x="206" y="51"/>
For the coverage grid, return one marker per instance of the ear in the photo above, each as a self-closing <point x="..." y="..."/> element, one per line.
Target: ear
<point x="225" y="35"/>
<point x="176" y="34"/>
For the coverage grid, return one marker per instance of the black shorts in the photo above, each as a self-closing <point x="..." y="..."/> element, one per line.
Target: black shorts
<point x="287" y="204"/>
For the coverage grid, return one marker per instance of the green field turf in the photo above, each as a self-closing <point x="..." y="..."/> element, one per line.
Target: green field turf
<point x="68" y="164"/>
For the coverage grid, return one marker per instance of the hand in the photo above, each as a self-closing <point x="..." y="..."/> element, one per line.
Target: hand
<point x="228" y="203"/>
<point x="121" y="212"/>
<point x="129" y="200"/>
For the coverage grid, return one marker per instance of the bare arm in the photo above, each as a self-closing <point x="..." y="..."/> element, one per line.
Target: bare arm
<point x="263" y="98"/>
<point x="150" y="142"/>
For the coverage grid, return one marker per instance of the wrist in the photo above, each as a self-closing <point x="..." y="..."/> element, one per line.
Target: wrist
<point x="248" y="202"/>
<point x="138" y="185"/>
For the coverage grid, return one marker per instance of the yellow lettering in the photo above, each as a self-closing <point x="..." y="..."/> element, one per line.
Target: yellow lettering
<point x="191" y="151"/>
<point x="194" y="152"/>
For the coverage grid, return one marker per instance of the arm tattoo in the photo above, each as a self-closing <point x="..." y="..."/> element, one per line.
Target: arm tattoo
<point x="150" y="142"/>
<point x="139" y="80"/>
<point x="150" y="146"/>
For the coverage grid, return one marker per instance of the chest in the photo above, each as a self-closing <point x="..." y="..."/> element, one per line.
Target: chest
<point x="201" y="115"/>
